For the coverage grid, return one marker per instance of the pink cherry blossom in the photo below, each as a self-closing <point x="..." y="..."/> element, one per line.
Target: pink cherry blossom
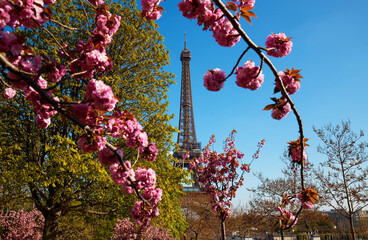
<point x="287" y="218"/>
<point x="5" y="8"/>
<point x="295" y="154"/>
<point x="281" y="43"/>
<point x="91" y="144"/>
<point x="84" y="113"/>
<point x="224" y="33"/>
<point x="214" y="79"/>
<point x="57" y="72"/>
<point x="246" y="77"/>
<point x="21" y="225"/>
<point x="291" y="85"/>
<point x="100" y="95"/>
<point x="42" y="122"/>
<point x="281" y="110"/>
<point x="108" y="157"/>
<point x="150" y="9"/>
<point x="120" y="176"/>
<point x="152" y="195"/>
<point x="145" y="178"/>
<point x="149" y="153"/>
<point x="9" y="93"/>
<point x="96" y="2"/>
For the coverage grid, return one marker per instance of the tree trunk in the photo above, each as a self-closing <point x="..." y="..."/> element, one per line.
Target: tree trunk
<point x="282" y="233"/>
<point x="50" y="226"/>
<point x="223" y="233"/>
<point x="352" y="230"/>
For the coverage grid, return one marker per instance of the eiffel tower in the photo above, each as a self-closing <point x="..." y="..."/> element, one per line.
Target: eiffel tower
<point x="187" y="139"/>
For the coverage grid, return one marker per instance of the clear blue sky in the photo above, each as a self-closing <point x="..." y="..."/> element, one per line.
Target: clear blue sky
<point x="330" y="46"/>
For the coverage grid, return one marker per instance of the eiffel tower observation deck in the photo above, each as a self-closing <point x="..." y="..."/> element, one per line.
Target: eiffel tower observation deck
<point x="187" y="139"/>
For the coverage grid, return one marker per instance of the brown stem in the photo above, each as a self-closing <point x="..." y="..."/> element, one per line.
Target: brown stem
<point x="237" y="63"/>
<point x="64" y="26"/>
<point x="257" y="49"/>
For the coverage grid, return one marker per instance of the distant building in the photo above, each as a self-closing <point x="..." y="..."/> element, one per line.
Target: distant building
<point x="360" y="219"/>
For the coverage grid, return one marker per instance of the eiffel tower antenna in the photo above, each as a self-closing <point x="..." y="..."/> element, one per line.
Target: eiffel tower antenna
<point x="185" y="41"/>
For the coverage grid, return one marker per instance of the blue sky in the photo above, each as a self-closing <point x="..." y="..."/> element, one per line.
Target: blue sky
<point x="330" y="46"/>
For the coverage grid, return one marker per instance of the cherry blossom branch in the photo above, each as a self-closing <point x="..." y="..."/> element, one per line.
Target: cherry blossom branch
<point x="76" y="121"/>
<point x="257" y="49"/>
<point x="260" y="68"/>
<point x="237" y="63"/>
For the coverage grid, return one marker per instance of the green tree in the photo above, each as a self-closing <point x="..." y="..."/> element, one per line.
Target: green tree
<point x="46" y="166"/>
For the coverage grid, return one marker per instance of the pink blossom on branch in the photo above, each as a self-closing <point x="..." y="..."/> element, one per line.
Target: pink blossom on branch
<point x="287" y="218"/>
<point x="108" y="157"/>
<point x="100" y="95"/>
<point x="9" y="93"/>
<point x="290" y="80"/>
<point x="224" y="33"/>
<point x="218" y="173"/>
<point x="246" y="76"/>
<point x="214" y="79"/>
<point x="281" y="43"/>
<point x="281" y="110"/>
<point x="151" y="9"/>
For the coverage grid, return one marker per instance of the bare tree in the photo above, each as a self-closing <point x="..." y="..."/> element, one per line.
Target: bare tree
<point x="342" y="177"/>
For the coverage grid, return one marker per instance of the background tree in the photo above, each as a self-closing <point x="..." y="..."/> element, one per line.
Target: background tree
<point x="50" y="166"/>
<point x="202" y="221"/>
<point x="343" y="178"/>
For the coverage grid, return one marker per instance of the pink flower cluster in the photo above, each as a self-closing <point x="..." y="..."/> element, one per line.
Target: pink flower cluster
<point x="224" y="32"/>
<point x="296" y="153"/>
<point x="96" y="2"/>
<point x="151" y="9"/>
<point x="26" y="13"/>
<point x="281" y="110"/>
<point x="100" y="95"/>
<point x="281" y="44"/>
<point x="246" y="77"/>
<point x="291" y="85"/>
<point x="9" y="93"/>
<point x="21" y="225"/>
<point x="214" y="79"/>
<point x="206" y="14"/>
<point x="287" y="218"/>
<point x="90" y="143"/>
<point x="43" y="109"/>
<point x="305" y="205"/>
<point x="91" y="57"/>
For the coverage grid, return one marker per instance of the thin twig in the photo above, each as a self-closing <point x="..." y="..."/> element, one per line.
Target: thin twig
<point x="86" y="15"/>
<point x="57" y="42"/>
<point x="64" y="26"/>
<point x="260" y="68"/>
<point x="237" y="63"/>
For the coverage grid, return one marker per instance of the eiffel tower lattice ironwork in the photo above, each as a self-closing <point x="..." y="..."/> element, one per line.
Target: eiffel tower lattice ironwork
<point x="187" y="139"/>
